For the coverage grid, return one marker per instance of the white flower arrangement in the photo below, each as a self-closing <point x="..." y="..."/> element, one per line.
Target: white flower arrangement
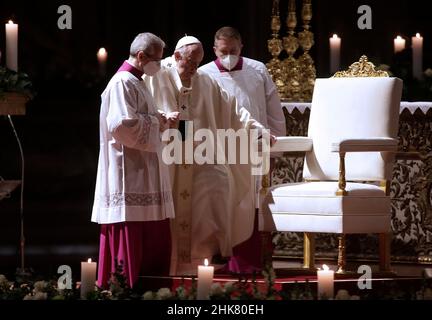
<point x="163" y="294"/>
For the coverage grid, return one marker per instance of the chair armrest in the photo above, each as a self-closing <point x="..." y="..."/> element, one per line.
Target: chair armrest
<point x="365" y="145"/>
<point x="292" y="144"/>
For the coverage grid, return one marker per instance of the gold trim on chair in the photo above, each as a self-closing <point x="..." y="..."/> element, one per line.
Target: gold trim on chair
<point x="342" y="182"/>
<point x="362" y="68"/>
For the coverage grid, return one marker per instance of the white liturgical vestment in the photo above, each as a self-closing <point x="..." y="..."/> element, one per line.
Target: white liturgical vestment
<point x="250" y="82"/>
<point x="132" y="181"/>
<point x="214" y="202"/>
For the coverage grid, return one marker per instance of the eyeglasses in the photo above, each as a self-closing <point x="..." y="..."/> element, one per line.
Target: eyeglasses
<point x="190" y="62"/>
<point x="152" y="59"/>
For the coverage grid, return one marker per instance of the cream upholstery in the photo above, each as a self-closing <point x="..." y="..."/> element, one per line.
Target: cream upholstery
<point x="341" y="108"/>
<point x="356" y="116"/>
<point x="314" y="207"/>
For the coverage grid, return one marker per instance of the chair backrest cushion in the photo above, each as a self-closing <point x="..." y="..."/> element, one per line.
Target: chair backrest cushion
<point x="352" y="108"/>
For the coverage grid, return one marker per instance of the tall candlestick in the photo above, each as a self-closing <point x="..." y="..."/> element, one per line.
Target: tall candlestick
<point x="399" y="44"/>
<point x="417" y="56"/>
<point x="88" y="277"/>
<point x="205" y="280"/>
<point x="335" y="46"/>
<point x="102" y="56"/>
<point x="325" y="283"/>
<point x="12" y="45"/>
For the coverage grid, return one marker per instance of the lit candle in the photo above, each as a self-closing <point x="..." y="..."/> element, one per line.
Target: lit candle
<point x="102" y="56"/>
<point x="399" y="44"/>
<point x="325" y="283"/>
<point x="88" y="277"/>
<point x="12" y="45"/>
<point x="335" y="46"/>
<point x="417" y="56"/>
<point x="205" y="280"/>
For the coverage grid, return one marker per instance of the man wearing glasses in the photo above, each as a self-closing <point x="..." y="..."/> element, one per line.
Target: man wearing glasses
<point x="133" y="199"/>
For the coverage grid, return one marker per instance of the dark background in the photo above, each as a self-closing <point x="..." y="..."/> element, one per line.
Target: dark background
<point x="60" y="130"/>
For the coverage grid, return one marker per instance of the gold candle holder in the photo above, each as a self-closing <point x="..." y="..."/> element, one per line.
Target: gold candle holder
<point x="274" y="46"/>
<point x="294" y="78"/>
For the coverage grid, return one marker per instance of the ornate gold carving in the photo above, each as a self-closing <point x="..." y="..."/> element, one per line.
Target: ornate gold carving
<point x="293" y="77"/>
<point x="291" y="74"/>
<point x="342" y="182"/>
<point x="265" y="183"/>
<point x="274" y="46"/>
<point x="306" y="64"/>
<point x="362" y="68"/>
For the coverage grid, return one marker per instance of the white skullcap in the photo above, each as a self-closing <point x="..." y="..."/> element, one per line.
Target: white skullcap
<point x="185" y="41"/>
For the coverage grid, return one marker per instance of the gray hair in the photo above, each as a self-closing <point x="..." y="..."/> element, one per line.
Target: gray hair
<point x="146" y="42"/>
<point x="186" y="49"/>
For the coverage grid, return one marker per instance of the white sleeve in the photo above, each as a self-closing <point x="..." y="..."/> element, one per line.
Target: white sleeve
<point x="162" y="90"/>
<point x="240" y="116"/>
<point x="128" y="126"/>
<point x="275" y="116"/>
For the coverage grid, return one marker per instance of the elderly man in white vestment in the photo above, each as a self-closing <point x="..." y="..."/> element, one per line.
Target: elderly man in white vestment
<point x="249" y="81"/>
<point x="133" y="199"/>
<point x="214" y="202"/>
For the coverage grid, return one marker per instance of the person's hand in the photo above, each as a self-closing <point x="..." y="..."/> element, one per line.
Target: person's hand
<point x="161" y="116"/>
<point x="173" y="118"/>
<point x="273" y="140"/>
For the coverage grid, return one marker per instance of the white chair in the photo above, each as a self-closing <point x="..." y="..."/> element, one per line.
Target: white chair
<point x="349" y="156"/>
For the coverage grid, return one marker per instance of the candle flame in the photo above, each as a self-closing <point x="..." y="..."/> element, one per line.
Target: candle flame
<point x="206" y="262"/>
<point x="418" y="35"/>
<point x="325" y="267"/>
<point x="399" y="37"/>
<point x="335" y="36"/>
<point x="102" y="51"/>
<point x="89" y="260"/>
<point x="10" y="22"/>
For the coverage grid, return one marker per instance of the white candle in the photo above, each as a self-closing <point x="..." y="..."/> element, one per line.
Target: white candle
<point x="102" y="56"/>
<point x="12" y="45"/>
<point x="335" y="46"/>
<point x="417" y="56"/>
<point x="88" y="277"/>
<point x="205" y="280"/>
<point x="399" y="44"/>
<point x="325" y="283"/>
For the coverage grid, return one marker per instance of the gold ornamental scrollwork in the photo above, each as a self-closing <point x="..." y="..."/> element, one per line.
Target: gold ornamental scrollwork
<point x="294" y="77"/>
<point x="274" y="45"/>
<point x="362" y="68"/>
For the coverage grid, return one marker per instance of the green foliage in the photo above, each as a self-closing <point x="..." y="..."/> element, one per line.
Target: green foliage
<point x="32" y="288"/>
<point x="19" y="82"/>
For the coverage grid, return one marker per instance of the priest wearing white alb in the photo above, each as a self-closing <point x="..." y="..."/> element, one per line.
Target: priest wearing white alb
<point x="133" y="200"/>
<point x="249" y="81"/>
<point x="214" y="202"/>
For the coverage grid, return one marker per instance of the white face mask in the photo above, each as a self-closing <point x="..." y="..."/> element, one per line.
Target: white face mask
<point x="229" y="61"/>
<point x="152" y="67"/>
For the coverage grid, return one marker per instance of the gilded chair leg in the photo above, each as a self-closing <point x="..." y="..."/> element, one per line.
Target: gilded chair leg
<point x="341" y="255"/>
<point x="384" y="252"/>
<point x="309" y="250"/>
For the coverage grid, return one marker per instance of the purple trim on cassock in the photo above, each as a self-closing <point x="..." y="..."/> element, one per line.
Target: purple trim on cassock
<point x="239" y="65"/>
<point x="126" y="66"/>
